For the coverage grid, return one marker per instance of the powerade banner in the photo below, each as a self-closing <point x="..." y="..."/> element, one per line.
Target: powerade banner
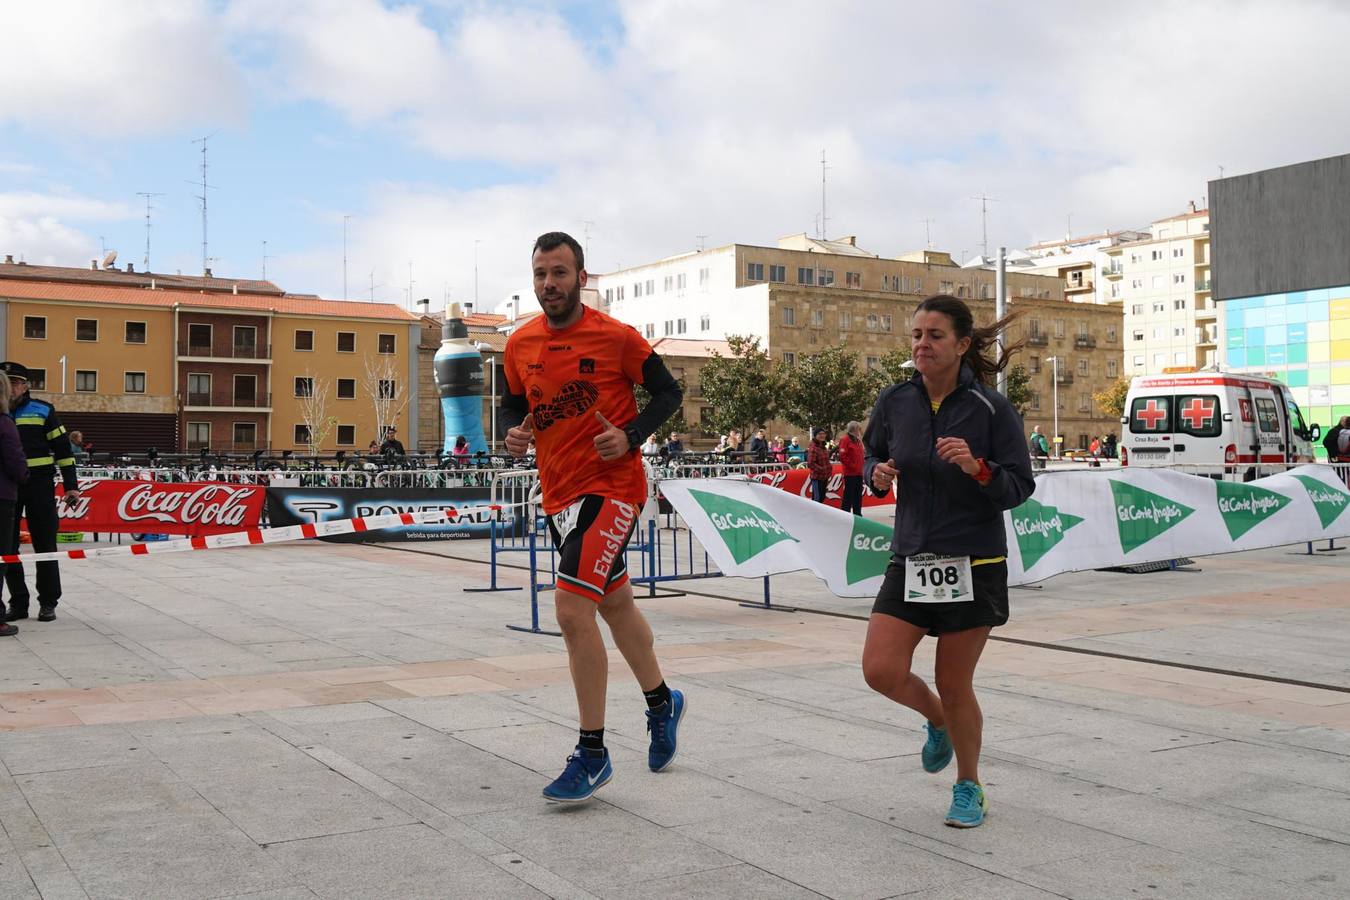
<point x="155" y="507"/>
<point x="299" y="506"/>
<point x="1075" y="521"/>
<point x="798" y="481"/>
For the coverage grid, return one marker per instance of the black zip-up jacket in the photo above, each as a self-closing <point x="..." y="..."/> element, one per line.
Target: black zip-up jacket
<point x="45" y="441"/>
<point x="939" y="508"/>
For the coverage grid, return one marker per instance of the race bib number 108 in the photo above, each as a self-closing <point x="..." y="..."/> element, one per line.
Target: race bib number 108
<point x="931" y="578"/>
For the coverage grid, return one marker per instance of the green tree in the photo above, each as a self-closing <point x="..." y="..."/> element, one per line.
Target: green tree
<point x="742" y="389"/>
<point x="1019" y="389"/>
<point x="669" y="426"/>
<point x="1111" y="401"/>
<point x="892" y="365"/>
<point x="828" y="390"/>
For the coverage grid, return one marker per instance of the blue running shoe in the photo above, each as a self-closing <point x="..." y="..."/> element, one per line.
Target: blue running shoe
<point x="586" y="773"/>
<point x="969" y="805"/>
<point x="663" y="723"/>
<point x="937" y="750"/>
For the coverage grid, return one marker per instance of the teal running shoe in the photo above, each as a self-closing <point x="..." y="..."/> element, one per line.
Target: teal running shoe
<point x="937" y="750"/>
<point x="587" y="772"/>
<point x="969" y="805"/>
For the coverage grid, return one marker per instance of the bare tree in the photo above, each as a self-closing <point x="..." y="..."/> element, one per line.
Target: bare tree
<point x="314" y="394"/>
<point x="386" y="392"/>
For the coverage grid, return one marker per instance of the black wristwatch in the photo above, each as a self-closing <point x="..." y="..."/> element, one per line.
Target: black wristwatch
<point x="635" y="437"/>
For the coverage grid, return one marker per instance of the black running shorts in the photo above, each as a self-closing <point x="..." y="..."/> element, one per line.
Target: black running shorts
<point x="989" y="606"/>
<point x="590" y="534"/>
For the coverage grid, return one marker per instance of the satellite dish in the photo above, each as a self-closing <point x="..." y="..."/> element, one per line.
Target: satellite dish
<point x="110" y="259"/>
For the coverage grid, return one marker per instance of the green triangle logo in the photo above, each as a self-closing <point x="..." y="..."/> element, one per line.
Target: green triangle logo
<point x="869" y="550"/>
<point x="1038" y="528"/>
<point x="747" y="530"/>
<point x="1143" y="515"/>
<point x="1244" y="506"/>
<point x="1330" y="502"/>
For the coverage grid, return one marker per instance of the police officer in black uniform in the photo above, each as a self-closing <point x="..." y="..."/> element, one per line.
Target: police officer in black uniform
<point x="47" y="447"/>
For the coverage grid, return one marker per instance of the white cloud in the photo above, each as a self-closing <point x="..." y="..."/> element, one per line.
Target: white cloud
<point x="85" y="67"/>
<point x="38" y="226"/>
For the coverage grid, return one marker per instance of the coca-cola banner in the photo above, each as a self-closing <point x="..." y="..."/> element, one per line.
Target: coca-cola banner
<point x="155" y="507"/>
<point x="798" y="481"/>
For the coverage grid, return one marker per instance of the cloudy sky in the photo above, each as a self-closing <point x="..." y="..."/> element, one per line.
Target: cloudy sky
<point x="444" y="127"/>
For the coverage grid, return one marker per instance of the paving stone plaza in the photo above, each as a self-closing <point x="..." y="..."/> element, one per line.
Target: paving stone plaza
<point x="318" y="720"/>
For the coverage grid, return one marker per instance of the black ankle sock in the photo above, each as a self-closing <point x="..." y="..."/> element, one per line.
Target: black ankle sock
<point x="657" y="696"/>
<point x="592" y="740"/>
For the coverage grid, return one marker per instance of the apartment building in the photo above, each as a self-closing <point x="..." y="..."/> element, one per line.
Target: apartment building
<point x="204" y="364"/>
<point x="1170" y="318"/>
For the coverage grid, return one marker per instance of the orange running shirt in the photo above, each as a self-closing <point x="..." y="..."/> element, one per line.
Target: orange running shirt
<point x="568" y="376"/>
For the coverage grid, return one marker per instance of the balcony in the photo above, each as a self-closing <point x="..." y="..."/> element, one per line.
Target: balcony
<point x="1113" y="271"/>
<point x="1036" y="339"/>
<point x="1076" y="286"/>
<point x="254" y="352"/>
<point x="1203" y="338"/>
<point x="1202" y="287"/>
<point x="1084" y="342"/>
<point x="1065" y="377"/>
<point x="224" y="399"/>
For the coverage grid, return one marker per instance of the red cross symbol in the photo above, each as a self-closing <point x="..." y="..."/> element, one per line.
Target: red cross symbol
<point x="1151" y="415"/>
<point x="1197" y="412"/>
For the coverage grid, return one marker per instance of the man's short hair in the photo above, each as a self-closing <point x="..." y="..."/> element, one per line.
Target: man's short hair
<point x="552" y="240"/>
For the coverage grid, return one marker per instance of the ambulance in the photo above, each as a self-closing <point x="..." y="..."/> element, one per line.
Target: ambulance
<point x="1232" y="425"/>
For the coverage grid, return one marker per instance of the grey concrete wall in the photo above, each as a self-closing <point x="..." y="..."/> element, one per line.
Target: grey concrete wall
<point x="1278" y="230"/>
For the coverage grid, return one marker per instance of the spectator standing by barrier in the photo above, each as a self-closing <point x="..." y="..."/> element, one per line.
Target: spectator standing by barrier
<point x="13" y="473"/>
<point x="47" y="448"/>
<point x="759" y="447"/>
<point x="392" y="446"/>
<point x="1040" y="448"/>
<point x="674" y="447"/>
<point x="77" y="448"/>
<point x="818" y="461"/>
<point x="794" y="452"/>
<point x="956" y="447"/>
<point x="594" y="485"/>
<point x="851" y="462"/>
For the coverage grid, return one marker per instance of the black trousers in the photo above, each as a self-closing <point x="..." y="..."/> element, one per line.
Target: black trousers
<point x="853" y="494"/>
<point x="37" y="501"/>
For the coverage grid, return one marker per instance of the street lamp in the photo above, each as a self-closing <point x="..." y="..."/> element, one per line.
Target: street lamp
<point x="1054" y="381"/>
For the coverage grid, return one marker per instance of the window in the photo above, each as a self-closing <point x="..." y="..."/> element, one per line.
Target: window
<point x="789" y="358"/>
<point x="778" y="274"/>
<point x="198" y="435"/>
<point x="199" y="389"/>
<point x="1179" y="278"/>
<point x="680" y="326"/>
<point x="346" y="388"/>
<point x="1082" y="367"/>
<point x="1111" y="367"/>
<point x="853" y="279"/>
<point x="1139" y="361"/>
<point x="245" y="435"/>
<point x="651" y="286"/>
<point x="705" y="414"/>
<point x="346" y="435"/>
<point x="1266" y="415"/>
<point x="302" y="435"/>
<point x="1082" y="329"/>
<point x="135" y="333"/>
<point x="637" y="289"/>
<point x="346" y="341"/>
<point x="388" y="388"/>
<point x="679" y="281"/>
<point x="1198" y="415"/>
<point x="1179" y="359"/>
<point x="806" y="275"/>
<point x="650" y="330"/>
<point x="916" y="286"/>
<point x="1138" y="334"/>
<point x="704" y="323"/>
<point x="609" y="295"/>
<point x="1084" y="405"/>
<point x="133" y="383"/>
<point x="388" y="343"/>
<point x="1136" y="283"/>
<point x="826" y="277"/>
<point x="1059" y="328"/>
<point x="35" y="327"/>
<point x="1036" y="400"/>
<point x="817" y="318"/>
<point x="1110" y="332"/>
<point x="1178" y="332"/>
<point x="873" y="322"/>
<point x="246" y="390"/>
<point x="1159" y="360"/>
<point x="304" y="340"/>
<point x="245" y="342"/>
<point x="704" y="276"/>
<point x="304" y="386"/>
<point x="1160" y="306"/>
<point x="789" y="316"/>
<point x="1157" y="281"/>
<point x="618" y="292"/>
<point x="668" y="284"/>
<point x="845" y="321"/>
<point x="1157" y="333"/>
<point x="1178" y="252"/>
<point x="873" y="363"/>
<point x="668" y="328"/>
<point x="199" y="340"/>
<point x="37" y="379"/>
<point x="1137" y="309"/>
<point x="86" y="380"/>
<point x="86" y="329"/>
<point x="1034" y="365"/>
<point x="886" y="323"/>
<point x="1034" y="327"/>
<point x="1157" y="254"/>
<point x="754" y="271"/>
<point x="1178" y="304"/>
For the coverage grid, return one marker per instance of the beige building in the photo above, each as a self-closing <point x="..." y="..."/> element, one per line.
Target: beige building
<point x="1170" y="319"/>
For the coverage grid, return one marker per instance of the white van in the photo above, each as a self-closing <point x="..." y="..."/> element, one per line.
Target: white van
<point x="1232" y="422"/>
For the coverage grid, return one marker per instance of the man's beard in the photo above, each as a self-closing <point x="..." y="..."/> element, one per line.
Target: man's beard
<point x="573" y="299"/>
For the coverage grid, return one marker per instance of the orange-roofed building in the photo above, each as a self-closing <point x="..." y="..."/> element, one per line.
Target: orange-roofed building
<point x="135" y="360"/>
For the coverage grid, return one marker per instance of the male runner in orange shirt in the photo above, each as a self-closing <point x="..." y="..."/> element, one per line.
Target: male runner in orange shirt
<point x="570" y="376"/>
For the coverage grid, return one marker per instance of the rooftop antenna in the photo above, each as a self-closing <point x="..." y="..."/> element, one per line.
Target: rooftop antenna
<point x="148" y="195"/>
<point x="264" y="260"/>
<point x="1220" y="171"/>
<point x="928" y="233"/>
<point x="344" y="257"/>
<point x="824" y="220"/>
<point x="373" y="285"/>
<point x="410" y="284"/>
<point x="476" y="242"/>
<point x="702" y="239"/>
<point x="206" y="260"/>
<point x="1068" y="229"/>
<point x="585" y="238"/>
<point x="984" y="219"/>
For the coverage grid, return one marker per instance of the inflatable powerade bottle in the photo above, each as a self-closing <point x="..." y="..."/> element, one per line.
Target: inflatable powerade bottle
<point x="458" y="370"/>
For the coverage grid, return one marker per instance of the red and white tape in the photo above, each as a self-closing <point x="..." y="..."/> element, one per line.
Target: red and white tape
<point x="255" y="536"/>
